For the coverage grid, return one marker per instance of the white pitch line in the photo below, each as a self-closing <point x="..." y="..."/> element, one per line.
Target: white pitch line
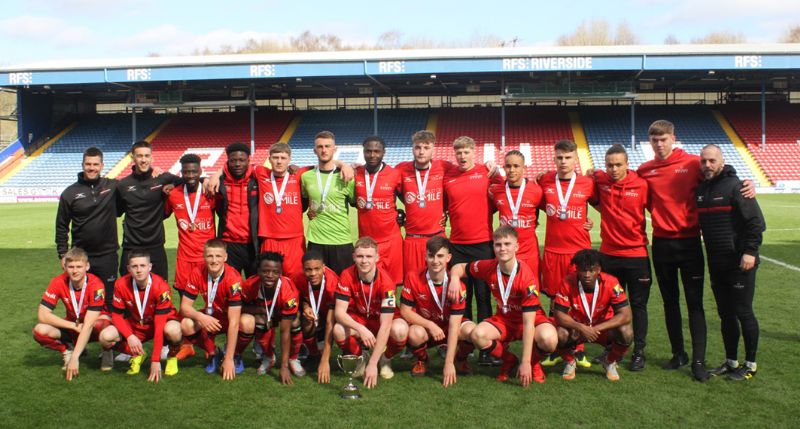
<point x="782" y="229"/>
<point x="782" y="264"/>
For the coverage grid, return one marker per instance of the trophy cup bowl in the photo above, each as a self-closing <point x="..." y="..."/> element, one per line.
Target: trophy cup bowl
<point x="348" y="364"/>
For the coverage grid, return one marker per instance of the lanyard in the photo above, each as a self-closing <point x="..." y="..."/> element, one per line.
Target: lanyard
<point x="368" y="302"/>
<point x="78" y="306"/>
<point x="275" y="297"/>
<point x="370" y="186"/>
<point x="439" y="302"/>
<point x="564" y="199"/>
<point x="323" y="192"/>
<point x="422" y="185"/>
<point x="213" y="285"/>
<point x="515" y="205"/>
<point x="316" y="302"/>
<point x="589" y="312"/>
<point x="505" y="289"/>
<point x="279" y="194"/>
<point x="192" y="211"/>
<point x="140" y="305"/>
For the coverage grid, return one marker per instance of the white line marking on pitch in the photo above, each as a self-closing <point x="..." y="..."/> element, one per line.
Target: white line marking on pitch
<point x="782" y="264"/>
<point x="782" y="229"/>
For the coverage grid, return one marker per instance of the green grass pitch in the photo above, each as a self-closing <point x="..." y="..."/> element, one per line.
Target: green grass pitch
<point x="35" y="394"/>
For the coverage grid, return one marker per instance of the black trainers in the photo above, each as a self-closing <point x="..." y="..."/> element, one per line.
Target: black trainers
<point x="699" y="371"/>
<point x="743" y="373"/>
<point x="637" y="361"/>
<point x="725" y="368"/>
<point x="485" y="359"/>
<point x="677" y="361"/>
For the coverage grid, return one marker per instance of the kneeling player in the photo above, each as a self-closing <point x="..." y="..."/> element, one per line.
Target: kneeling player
<point x="221" y="287"/>
<point x="365" y="313"/>
<point x="433" y="318"/>
<point x="146" y="299"/>
<point x="85" y="319"/>
<point x="518" y="315"/>
<point x="606" y="322"/>
<point x="316" y="287"/>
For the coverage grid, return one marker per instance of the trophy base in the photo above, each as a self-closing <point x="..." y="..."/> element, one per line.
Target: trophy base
<point x="350" y="392"/>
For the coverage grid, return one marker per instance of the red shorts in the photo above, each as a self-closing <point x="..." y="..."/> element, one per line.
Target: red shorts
<point x="70" y="336"/>
<point x="554" y="268"/>
<point x="183" y="270"/>
<point x="511" y="329"/>
<point x="390" y="253"/>
<point x="374" y="323"/>
<point x="532" y="260"/>
<point x="414" y="253"/>
<point x="292" y="250"/>
<point x="146" y="332"/>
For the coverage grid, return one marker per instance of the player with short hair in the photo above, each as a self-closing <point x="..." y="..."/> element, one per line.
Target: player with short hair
<point x="83" y="295"/>
<point x="237" y="208"/>
<point x="317" y="287"/>
<point x="433" y="318"/>
<point x="220" y="285"/>
<point x="271" y="300"/>
<point x="365" y="313"/>
<point x="606" y="321"/>
<point x="376" y="186"/>
<point x="142" y="310"/>
<point x="518" y="316"/>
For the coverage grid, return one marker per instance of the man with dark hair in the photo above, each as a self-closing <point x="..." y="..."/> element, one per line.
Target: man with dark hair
<point x="141" y="198"/>
<point x="237" y="209"/>
<point x="87" y="211"/>
<point x="732" y="228"/>
<point x="622" y="198"/>
<point x="606" y="322"/>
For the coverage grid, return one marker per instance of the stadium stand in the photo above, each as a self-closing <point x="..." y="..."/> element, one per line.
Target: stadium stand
<point x="695" y="127"/>
<point x="59" y="163"/>
<point x="782" y="136"/>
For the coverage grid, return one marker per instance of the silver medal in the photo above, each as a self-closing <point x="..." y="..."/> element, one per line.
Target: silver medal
<point x="209" y="311"/>
<point x="368" y="205"/>
<point x="421" y="204"/>
<point x="514" y="223"/>
<point x="279" y="210"/>
<point x="562" y="214"/>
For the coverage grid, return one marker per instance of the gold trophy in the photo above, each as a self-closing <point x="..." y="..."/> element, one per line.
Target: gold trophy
<point x="348" y="364"/>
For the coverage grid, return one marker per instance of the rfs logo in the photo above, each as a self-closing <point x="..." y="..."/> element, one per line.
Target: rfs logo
<point x="410" y="197"/>
<point x="269" y="198"/>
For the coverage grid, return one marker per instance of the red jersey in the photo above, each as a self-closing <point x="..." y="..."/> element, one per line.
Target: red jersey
<point x="94" y="297"/>
<point x="423" y="220"/>
<point x="611" y="297"/>
<point x="672" y="182"/>
<point x="287" y="301"/>
<point x="417" y="294"/>
<point x="527" y="216"/>
<point x="237" y="219"/>
<point x="379" y="221"/>
<point x="326" y="302"/>
<point x="622" y="222"/>
<point x="566" y="236"/>
<point x="157" y="308"/>
<point x="191" y="239"/>
<point x="289" y="222"/>
<point x="361" y="302"/>
<point x="468" y="205"/>
<point x="228" y="292"/>
<point x="524" y="294"/>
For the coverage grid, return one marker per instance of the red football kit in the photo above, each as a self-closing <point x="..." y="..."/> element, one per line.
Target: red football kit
<point x="426" y="297"/>
<point x="525" y="220"/>
<point x="610" y="299"/>
<point x="672" y="201"/>
<point x="278" y="304"/>
<point x="155" y="303"/>
<point x="377" y="215"/>
<point x="468" y="205"/>
<point x="224" y="292"/>
<point x="367" y="301"/>
<point x="622" y="205"/>
<point x="321" y="299"/>
<point x="194" y="216"/>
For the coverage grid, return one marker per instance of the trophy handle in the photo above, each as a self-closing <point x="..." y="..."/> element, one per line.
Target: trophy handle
<point x="339" y="361"/>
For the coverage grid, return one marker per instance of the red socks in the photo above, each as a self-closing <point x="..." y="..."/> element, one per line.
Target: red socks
<point x="617" y="352"/>
<point x="297" y="341"/>
<point x="464" y="349"/>
<point x="394" y="347"/>
<point x="242" y="340"/>
<point x="49" y="343"/>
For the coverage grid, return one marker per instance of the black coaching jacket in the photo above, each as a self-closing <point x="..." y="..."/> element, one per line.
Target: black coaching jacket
<point x="87" y="211"/>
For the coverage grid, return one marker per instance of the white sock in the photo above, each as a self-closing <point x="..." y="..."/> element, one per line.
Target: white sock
<point x="751" y="365"/>
<point x="732" y="363"/>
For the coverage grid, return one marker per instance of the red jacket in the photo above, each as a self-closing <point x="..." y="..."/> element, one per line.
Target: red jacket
<point x="622" y="205"/>
<point x="672" y="183"/>
<point x="237" y="208"/>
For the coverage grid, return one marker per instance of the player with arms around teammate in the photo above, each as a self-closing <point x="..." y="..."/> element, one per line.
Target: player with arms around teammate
<point x="365" y="313"/>
<point x="86" y="319"/>
<point x="433" y="318"/>
<point x="605" y="321"/>
<point x="142" y="310"/>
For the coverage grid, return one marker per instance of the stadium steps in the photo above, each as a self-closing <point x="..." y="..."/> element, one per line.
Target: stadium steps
<point x="287" y="135"/>
<point x="128" y="159"/>
<point x="746" y="155"/>
<point x="26" y="161"/>
<point x="13" y="154"/>
<point x="433" y="122"/>
<point x="584" y="155"/>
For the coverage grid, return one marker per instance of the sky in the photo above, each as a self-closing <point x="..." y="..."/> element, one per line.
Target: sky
<point x="43" y="30"/>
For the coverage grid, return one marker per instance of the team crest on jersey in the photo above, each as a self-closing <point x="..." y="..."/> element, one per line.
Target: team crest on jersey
<point x="99" y="294"/>
<point x="410" y="197"/>
<point x="268" y="198"/>
<point x="292" y="303"/>
<point x="183" y="224"/>
<point x="360" y="202"/>
<point x="463" y="296"/>
<point x="164" y="297"/>
<point x="532" y="291"/>
<point x="236" y="288"/>
<point x="618" y="290"/>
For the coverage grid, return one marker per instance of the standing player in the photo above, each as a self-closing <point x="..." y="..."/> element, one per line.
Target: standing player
<point x="622" y="197"/>
<point x="433" y="318"/>
<point x="518" y="316"/>
<point x="606" y="321"/>
<point x="83" y="295"/>
<point x="316" y="287"/>
<point x="329" y="197"/>
<point x="365" y="313"/>
<point x="376" y="186"/>
<point x="142" y="310"/>
<point x="732" y="228"/>
<point x="237" y="208"/>
<point x="221" y="288"/>
<point x="517" y="202"/>
<point x="87" y="211"/>
<point x="271" y="300"/>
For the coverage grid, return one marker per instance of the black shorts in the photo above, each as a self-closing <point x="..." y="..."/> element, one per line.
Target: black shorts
<point x="336" y="256"/>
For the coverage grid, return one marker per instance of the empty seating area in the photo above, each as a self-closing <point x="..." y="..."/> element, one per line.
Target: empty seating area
<point x="695" y="127"/>
<point x="59" y="164"/>
<point x="779" y="159"/>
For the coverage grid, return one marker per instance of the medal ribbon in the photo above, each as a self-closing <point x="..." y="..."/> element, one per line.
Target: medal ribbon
<point x="279" y="195"/>
<point x="140" y="305"/>
<point x="213" y="285"/>
<point x="515" y="206"/>
<point x="275" y="296"/>
<point x="192" y="211"/>
<point x="324" y="192"/>
<point x="316" y="302"/>
<point x="562" y="199"/>
<point x="371" y="187"/>
<point x="422" y="185"/>
<point x="439" y="302"/>
<point x="585" y="303"/>
<point x="505" y="290"/>
<point x="77" y="306"/>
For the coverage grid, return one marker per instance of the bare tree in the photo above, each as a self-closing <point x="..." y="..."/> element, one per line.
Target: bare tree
<point x="792" y="35"/>
<point x="625" y="35"/>
<point x="720" y="37"/>
<point x="671" y="40"/>
<point x="598" y="33"/>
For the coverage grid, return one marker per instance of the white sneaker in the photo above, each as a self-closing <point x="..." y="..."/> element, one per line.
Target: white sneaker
<point x="164" y="352"/>
<point x="296" y="367"/>
<point x="569" y="370"/>
<point x="362" y="365"/>
<point x="267" y="362"/>
<point x="385" y="367"/>
<point x="67" y="355"/>
<point x="611" y="370"/>
<point x="122" y="357"/>
<point x="107" y="360"/>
